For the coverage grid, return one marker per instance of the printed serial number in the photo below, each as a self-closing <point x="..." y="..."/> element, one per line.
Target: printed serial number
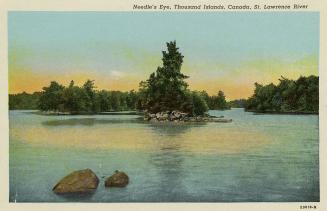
<point x="308" y="207"/>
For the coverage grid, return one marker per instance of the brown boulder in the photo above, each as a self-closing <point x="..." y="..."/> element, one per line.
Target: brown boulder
<point x="81" y="181"/>
<point x="118" y="179"/>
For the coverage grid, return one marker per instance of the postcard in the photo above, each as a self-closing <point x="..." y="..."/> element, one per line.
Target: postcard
<point x="175" y="105"/>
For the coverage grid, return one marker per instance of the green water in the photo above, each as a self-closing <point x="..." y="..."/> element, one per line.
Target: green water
<point x="254" y="158"/>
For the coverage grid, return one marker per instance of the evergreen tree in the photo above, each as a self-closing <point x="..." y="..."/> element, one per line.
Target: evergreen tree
<point x="90" y="97"/>
<point x="166" y="90"/>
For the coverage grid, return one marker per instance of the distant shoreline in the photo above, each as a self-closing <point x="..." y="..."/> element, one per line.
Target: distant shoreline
<point x="283" y="112"/>
<point x="53" y="113"/>
<point x="142" y="113"/>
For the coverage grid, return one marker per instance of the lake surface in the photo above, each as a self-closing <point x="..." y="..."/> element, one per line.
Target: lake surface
<point x="256" y="158"/>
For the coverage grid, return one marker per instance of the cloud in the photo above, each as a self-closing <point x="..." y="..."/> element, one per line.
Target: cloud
<point x="117" y="74"/>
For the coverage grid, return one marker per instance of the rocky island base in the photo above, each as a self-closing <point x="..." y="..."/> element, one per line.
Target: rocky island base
<point x="178" y="116"/>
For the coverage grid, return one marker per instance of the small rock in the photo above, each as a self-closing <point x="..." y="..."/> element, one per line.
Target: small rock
<point x="158" y="115"/>
<point x="153" y="120"/>
<point x="81" y="181"/>
<point x="165" y="116"/>
<point x="118" y="179"/>
<point x="176" y="114"/>
<point x="162" y="116"/>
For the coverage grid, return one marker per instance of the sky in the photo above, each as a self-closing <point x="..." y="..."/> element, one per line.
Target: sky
<point x="227" y="51"/>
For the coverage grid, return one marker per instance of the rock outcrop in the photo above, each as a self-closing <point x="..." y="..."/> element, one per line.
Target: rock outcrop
<point x="177" y="116"/>
<point x="81" y="181"/>
<point x="118" y="179"/>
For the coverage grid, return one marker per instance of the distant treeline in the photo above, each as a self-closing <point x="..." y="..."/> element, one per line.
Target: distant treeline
<point x="239" y="103"/>
<point x="85" y="98"/>
<point x="216" y="102"/>
<point x="24" y="101"/>
<point x="299" y="96"/>
<point x="75" y="99"/>
<point x="294" y="96"/>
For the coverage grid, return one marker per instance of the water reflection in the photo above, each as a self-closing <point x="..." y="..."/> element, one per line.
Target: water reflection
<point x="77" y="196"/>
<point x="89" y="121"/>
<point x="168" y="160"/>
<point x="172" y="128"/>
<point x="133" y="133"/>
<point x="168" y="163"/>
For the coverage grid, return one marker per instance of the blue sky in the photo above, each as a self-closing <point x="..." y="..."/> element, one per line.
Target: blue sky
<point x="124" y="47"/>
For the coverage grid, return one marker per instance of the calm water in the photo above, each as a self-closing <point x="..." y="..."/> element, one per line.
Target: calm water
<point x="254" y="158"/>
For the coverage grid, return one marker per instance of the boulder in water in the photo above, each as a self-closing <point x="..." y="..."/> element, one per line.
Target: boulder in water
<point x="118" y="179"/>
<point x="81" y="181"/>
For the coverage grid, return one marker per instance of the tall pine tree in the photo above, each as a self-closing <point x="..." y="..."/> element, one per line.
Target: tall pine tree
<point x="166" y="90"/>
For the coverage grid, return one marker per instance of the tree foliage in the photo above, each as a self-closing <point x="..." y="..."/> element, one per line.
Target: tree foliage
<point x="199" y="105"/>
<point x="84" y="99"/>
<point x="238" y="103"/>
<point x="52" y="97"/>
<point x="301" y="95"/>
<point x="166" y="89"/>
<point x="24" y="101"/>
<point x="218" y="102"/>
<point x="215" y="102"/>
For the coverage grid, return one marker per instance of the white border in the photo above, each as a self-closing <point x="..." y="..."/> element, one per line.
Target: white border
<point x="126" y="5"/>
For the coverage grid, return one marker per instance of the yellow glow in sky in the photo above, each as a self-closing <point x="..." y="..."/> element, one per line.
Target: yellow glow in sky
<point x="237" y="81"/>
